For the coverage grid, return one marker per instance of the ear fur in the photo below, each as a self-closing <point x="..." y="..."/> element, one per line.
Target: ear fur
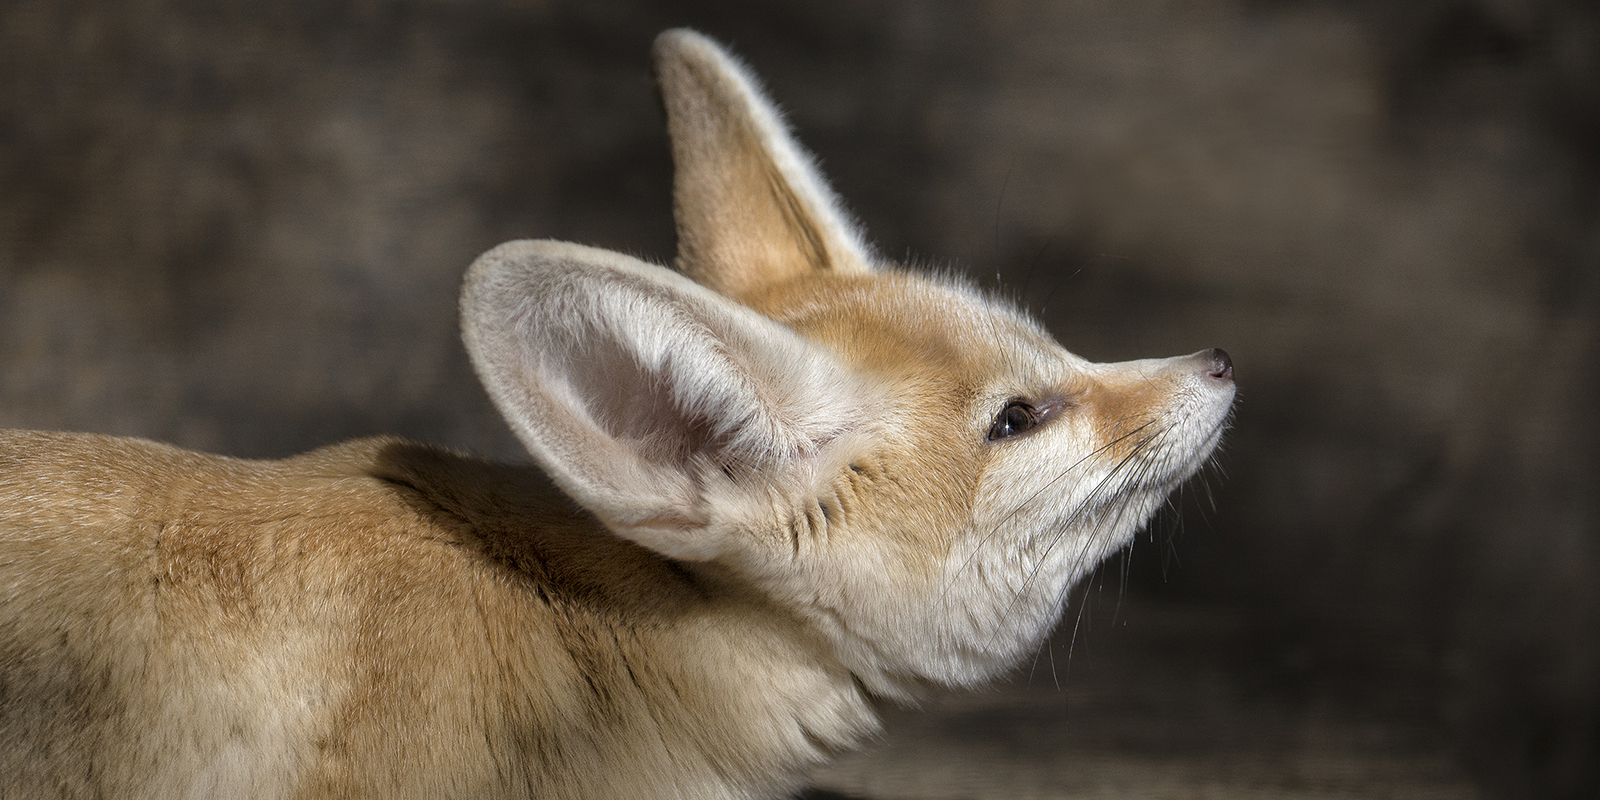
<point x="642" y="393"/>
<point x="751" y="208"/>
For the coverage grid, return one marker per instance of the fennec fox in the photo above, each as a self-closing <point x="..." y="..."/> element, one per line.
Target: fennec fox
<point x="773" y="488"/>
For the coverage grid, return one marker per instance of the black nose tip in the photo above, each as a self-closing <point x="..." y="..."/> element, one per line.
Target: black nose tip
<point x="1221" y="365"/>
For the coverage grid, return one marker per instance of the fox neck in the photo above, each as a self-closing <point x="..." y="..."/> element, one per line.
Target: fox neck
<point x="728" y="688"/>
<point x="679" y="667"/>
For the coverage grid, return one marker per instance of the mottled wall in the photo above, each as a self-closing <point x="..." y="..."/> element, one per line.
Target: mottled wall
<point x="240" y="227"/>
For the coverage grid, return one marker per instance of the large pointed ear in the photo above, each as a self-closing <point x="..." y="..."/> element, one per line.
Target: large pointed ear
<point x="751" y="208"/>
<point x="647" y="397"/>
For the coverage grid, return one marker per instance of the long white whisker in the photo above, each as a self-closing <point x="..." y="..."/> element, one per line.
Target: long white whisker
<point x="1028" y="501"/>
<point x="1089" y="503"/>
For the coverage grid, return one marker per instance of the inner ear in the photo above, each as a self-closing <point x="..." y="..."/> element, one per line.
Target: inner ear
<point x="633" y="387"/>
<point x="751" y="208"/>
<point x="637" y="408"/>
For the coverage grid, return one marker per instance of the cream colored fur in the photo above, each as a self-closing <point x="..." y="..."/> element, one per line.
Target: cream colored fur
<point x="769" y="493"/>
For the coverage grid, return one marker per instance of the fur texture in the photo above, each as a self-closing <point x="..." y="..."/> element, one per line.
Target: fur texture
<point x="774" y="486"/>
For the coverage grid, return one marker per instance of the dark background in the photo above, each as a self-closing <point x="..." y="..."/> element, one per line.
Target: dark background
<point x="240" y="227"/>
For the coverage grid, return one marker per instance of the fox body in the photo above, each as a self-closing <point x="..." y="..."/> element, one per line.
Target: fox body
<point x="773" y="487"/>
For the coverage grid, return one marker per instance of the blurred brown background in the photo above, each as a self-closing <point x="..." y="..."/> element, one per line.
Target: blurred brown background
<point x="240" y="227"/>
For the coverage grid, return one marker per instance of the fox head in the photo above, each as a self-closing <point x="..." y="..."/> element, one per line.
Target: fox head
<point x="915" y="470"/>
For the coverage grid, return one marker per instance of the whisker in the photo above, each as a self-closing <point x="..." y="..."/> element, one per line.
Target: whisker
<point x="1122" y="583"/>
<point x="1077" y="622"/>
<point x="1029" y="500"/>
<point x="1089" y="540"/>
<point x="1051" y="648"/>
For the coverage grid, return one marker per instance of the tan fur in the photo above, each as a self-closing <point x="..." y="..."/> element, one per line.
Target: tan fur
<point x="748" y="209"/>
<point x="379" y="618"/>
<point x="763" y="502"/>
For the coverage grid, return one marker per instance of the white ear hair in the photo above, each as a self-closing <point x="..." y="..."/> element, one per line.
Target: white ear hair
<point x="751" y="207"/>
<point x="636" y="388"/>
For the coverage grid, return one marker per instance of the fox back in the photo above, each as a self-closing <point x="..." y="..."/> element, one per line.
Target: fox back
<point x="773" y="487"/>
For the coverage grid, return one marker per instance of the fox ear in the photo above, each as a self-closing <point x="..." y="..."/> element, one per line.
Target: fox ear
<point x="751" y="208"/>
<point x="646" y="396"/>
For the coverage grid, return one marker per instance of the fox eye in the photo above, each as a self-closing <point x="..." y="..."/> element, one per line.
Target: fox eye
<point x="1016" y="418"/>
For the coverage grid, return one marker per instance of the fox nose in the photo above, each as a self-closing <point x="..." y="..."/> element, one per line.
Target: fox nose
<point x="1221" y="367"/>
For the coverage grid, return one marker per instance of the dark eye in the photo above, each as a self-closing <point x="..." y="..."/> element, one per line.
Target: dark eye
<point x="1016" y="418"/>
